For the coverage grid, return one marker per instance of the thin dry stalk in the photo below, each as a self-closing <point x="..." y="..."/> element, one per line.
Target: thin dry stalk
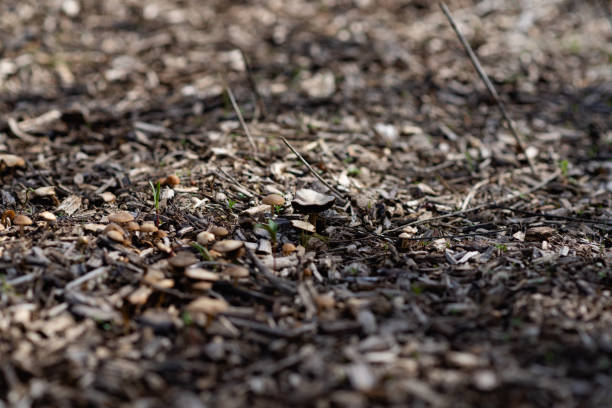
<point x="472" y="193"/>
<point x="314" y="173"/>
<point x="242" y="122"/>
<point x="481" y="206"/>
<point x="260" y="110"/>
<point x="489" y="86"/>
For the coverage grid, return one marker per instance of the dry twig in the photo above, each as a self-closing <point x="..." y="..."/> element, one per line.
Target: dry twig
<point x="259" y="104"/>
<point x="489" y="85"/>
<point x="314" y="173"/>
<point x="242" y="122"/>
<point x="485" y="205"/>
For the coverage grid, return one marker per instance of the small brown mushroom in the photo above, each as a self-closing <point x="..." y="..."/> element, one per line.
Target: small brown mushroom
<point x="205" y="237"/>
<point x="22" y="221"/>
<point x="236" y="272"/>
<point x="308" y="201"/>
<point x="303" y="225"/>
<point x="201" y="274"/>
<point x="202" y="285"/>
<point x="10" y="160"/>
<point x="172" y="180"/>
<point x="7" y="217"/>
<point x="115" y="235"/>
<point x="288" y="248"/>
<point x="208" y="305"/>
<point x="311" y="202"/>
<point x="273" y="200"/>
<point x="121" y="217"/>
<point x="229" y="247"/>
<point x="148" y="228"/>
<point x="114" y="227"/>
<point x="47" y="216"/>
<point x="404" y="239"/>
<point x="220" y="232"/>
<point x="132" y="227"/>
<point x="182" y="260"/>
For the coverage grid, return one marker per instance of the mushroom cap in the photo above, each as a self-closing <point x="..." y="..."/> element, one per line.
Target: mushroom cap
<point x="132" y="226"/>
<point x="44" y="191"/>
<point x="121" y="217"/>
<point x="303" y="225"/>
<point x="21" y="219"/>
<point x="227" y="245"/>
<point x="308" y="201"/>
<point x="273" y="199"/>
<point x="172" y="180"/>
<point x="405" y="235"/>
<point x="288" y="248"/>
<point x="208" y="305"/>
<point x="47" y="216"/>
<point x="237" y="271"/>
<point x="205" y="238"/>
<point x="202" y="285"/>
<point x="410" y="229"/>
<point x="107" y="196"/>
<point x="10" y="160"/>
<point x="115" y="235"/>
<point x="182" y="260"/>
<point x="201" y="274"/>
<point x="220" y="232"/>
<point x="148" y="227"/>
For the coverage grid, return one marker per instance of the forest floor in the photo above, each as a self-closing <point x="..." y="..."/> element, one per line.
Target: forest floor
<point x="497" y="294"/>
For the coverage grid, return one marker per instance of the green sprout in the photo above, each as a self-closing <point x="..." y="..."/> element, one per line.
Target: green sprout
<point x="272" y="229"/>
<point x="470" y="161"/>
<point x="4" y="285"/>
<point x="156" y="194"/>
<point x="231" y="203"/>
<point x="304" y="239"/>
<point x="187" y="320"/>
<point x="564" y="166"/>
<point x="203" y="252"/>
<point x="278" y="209"/>
<point x="501" y="247"/>
<point x="353" y="171"/>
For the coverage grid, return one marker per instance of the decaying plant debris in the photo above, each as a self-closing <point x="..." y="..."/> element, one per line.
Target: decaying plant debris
<point x="151" y="254"/>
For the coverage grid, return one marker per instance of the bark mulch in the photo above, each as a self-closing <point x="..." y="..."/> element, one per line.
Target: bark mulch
<point x="297" y="203"/>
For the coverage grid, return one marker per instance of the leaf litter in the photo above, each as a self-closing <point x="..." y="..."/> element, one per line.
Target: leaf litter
<point x="158" y="243"/>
